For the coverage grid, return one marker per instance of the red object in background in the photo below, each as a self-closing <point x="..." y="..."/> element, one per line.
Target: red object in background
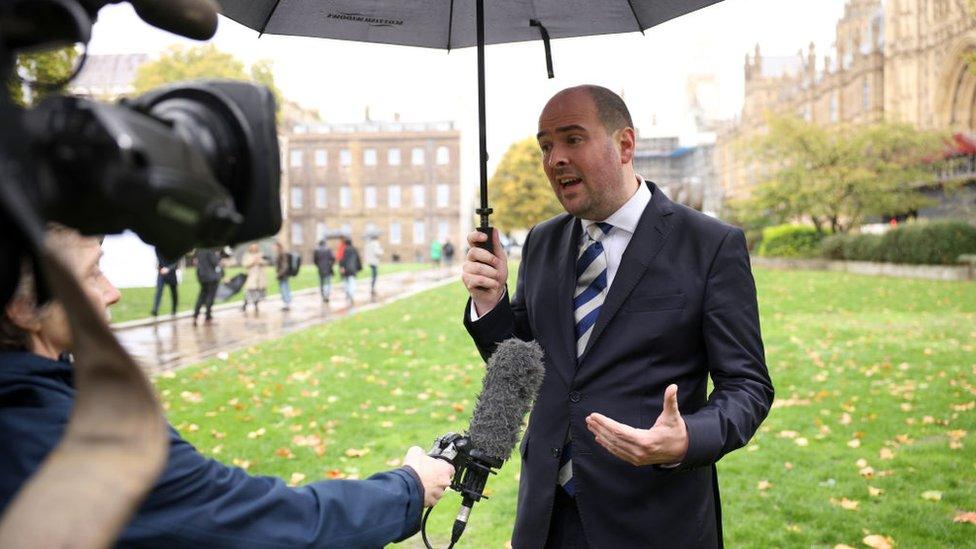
<point x="341" y="250"/>
<point x="893" y="222"/>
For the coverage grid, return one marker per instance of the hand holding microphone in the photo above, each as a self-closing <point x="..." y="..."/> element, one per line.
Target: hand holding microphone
<point x="435" y="474"/>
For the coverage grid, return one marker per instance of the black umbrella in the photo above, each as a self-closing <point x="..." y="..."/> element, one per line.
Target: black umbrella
<point x="448" y="24"/>
<point x="228" y="289"/>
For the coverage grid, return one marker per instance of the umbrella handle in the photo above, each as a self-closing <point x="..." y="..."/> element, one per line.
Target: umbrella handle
<point x="487" y="244"/>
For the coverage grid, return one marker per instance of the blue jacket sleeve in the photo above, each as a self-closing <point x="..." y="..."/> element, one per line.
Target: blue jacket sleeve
<point x="200" y="502"/>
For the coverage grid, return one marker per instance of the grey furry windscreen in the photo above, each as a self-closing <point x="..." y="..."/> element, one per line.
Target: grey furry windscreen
<point x="511" y="384"/>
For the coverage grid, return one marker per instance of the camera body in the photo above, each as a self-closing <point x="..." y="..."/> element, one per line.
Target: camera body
<point x="184" y="166"/>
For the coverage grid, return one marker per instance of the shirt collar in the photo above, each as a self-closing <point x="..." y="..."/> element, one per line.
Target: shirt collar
<point x="629" y="214"/>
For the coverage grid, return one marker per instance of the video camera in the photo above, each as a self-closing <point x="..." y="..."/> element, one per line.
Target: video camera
<point x="184" y="166"/>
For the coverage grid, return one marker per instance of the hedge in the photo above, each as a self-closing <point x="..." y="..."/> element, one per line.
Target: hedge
<point x="934" y="243"/>
<point x="790" y="241"/>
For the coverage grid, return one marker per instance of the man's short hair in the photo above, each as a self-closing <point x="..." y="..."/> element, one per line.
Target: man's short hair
<point x="610" y="108"/>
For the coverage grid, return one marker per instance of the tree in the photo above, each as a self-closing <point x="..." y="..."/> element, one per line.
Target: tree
<point x="44" y="68"/>
<point x="836" y="176"/>
<point x="519" y="190"/>
<point x="182" y="63"/>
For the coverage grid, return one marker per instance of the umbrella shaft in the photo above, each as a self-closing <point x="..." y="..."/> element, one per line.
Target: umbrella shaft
<point x="483" y="140"/>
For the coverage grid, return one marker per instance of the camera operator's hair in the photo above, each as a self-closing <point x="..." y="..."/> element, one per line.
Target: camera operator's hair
<point x="12" y="336"/>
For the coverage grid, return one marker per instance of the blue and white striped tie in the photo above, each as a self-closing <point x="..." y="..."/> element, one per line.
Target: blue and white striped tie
<point x="591" y="290"/>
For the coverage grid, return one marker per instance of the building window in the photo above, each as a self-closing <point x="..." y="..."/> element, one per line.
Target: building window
<point x="344" y="197"/>
<point x="393" y="157"/>
<point x="394" y="233"/>
<point x="443" y="156"/>
<point x="369" y="157"/>
<point x="296" y="234"/>
<point x="296" y="197"/>
<point x="321" y="158"/>
<point x="320" y="231"/>
<point x="419" y="199"/>
<point x="394" y="196"/>
<point x="320" y="197"/>
<point x="834" y="115"/>
<point x="418" y="232"/>
<point x="296" y="159"/>
<point x="372" y="230"/>
<point x="417" y="156"/>
<point x="369" y="196"/>
<point x="443" y="195"/>
<point x="442" y="230"/>
<point x="345" y="157"/>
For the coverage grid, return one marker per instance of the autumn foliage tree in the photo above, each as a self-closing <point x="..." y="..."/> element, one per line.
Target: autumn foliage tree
<point x="182" y="63"/>
<point x="519" y="191"/>
<point x="836" y="176"/>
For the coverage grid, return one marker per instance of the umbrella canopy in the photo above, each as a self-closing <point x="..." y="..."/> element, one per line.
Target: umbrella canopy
<point x="448" y="24"/>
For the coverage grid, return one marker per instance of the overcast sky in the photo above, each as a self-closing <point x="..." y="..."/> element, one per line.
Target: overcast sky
<point x="342" y="78"/>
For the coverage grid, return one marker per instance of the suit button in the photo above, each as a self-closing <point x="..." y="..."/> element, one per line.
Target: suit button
<point x="575" y="396"/>
<point x="556" y="452"/>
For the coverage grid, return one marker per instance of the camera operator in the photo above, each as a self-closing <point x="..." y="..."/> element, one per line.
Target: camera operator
<point x="196" y="501"/>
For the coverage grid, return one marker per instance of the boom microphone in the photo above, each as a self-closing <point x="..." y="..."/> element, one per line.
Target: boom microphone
<point x="510" y="385"/>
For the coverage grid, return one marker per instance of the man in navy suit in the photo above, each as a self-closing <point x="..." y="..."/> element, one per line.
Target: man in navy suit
<point x="636" y="301"/>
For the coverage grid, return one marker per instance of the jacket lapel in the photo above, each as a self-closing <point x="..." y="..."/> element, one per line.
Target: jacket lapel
<point x="561" y="300"/>
<point x="649" y="236"/>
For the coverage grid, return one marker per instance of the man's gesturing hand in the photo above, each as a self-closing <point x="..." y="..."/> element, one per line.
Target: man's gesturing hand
<point x="665" y="443"/>
<point x="485" y="274"/>
<point x="435" y="474"/>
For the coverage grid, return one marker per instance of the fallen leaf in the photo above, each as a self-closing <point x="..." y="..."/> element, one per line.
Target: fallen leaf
<point x="932" y="495"/>
<point x="855" y="443"/>
<point x="877" y="541"/>
<point x="764" y="485"/>
<point x="886" y="453"/>
<point x="284" y="452"/>
<point x="874" y="492"/>
<point x="965" y="516"/>
<point x="296" y="478"/>
<point x="356" y="453"/>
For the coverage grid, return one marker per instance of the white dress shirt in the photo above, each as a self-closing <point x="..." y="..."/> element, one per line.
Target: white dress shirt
<point x="624" y="221"/>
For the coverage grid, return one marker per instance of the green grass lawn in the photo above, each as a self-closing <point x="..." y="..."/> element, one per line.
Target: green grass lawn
<point x="137" y="302"/>
<point x="872" y="432"/>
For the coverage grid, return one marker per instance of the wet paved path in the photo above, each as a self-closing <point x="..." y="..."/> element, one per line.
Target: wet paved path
<point x="174" y="342"/>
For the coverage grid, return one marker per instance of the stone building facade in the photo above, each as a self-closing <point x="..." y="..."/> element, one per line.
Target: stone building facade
<point x="894" y="60"/>
<point x="397" y="181"/>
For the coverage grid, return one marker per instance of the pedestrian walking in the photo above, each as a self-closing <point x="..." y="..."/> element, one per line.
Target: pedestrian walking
<point x="349" y="267"/>
<point x="165" y="276"/>
<point x="283" y="272"/>
<point x="256" y="286"/>
<point x="374" y="252"/>
<point x="325" y="261"/>
<point x="435" y="252"/>
<point x="209" y="274"/>
<point x="448" y="250"/>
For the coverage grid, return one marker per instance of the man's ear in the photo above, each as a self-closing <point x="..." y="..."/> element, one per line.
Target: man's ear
<point x="627" y="144"/>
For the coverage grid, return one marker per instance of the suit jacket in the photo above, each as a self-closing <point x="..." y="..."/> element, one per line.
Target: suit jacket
<point x="681" y="308"/>
<point x="197" y="501"/>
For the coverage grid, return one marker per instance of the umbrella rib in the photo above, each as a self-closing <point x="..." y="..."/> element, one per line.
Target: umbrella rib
<point x="640" y="27"/>
<point x="450" y="27"/>
<point x="268" y="18"/>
